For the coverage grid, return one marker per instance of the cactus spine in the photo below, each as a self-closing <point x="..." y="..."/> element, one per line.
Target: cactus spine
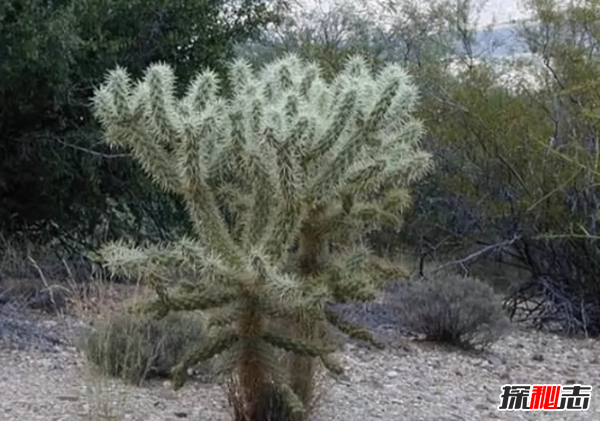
<point x="281" y="178"/>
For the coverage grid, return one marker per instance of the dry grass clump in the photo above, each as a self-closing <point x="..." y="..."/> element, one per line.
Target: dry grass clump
<point x="451" y="309"/>
<point x="136" y="348"/>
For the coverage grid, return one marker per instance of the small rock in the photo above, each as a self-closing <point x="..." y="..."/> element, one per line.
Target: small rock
<point x="181" y="414"/>
<point x="343" y="378"/>
<point x="68" y="398"/>
<point x="505" y="375"/>
<point x="537" y="357"/>
<point x="495" y="361"/>
<point x="392" y="374"/>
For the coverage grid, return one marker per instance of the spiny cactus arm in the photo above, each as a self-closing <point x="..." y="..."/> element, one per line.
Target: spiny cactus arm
<point x="329" y="180"/>
<point x="280" y="75"/>
<point x="394" y="82"/>
<point x="205" y="350"/>
<point x="359" y="280"/>
<point x="399" y="116"/>
<point x="320" y="99"/>
<point x="352" y="330"/>
<point x="339" y="122"/>
<point x="161" y="106"/>
<point x="182" y="257"/>
<point x="402" y="137"/>
<point x="279" y="376"/>
<point x="241" y="77"/>
<point x="372" y="213"/>
<point x="233" y="201"/>
<point x="354" y="275"/>
<point x="262" y="202"/>
<point x="364" y="176"/>
<point x="196" y="132"/>
<point x="199" y="197"/>
<point x="283" y="294"/>
<point x="278" y="311"/>
<point x="344" y="288"/>
<point x="207" y="220"/>
<point x="382" y="270"/>
<point x="184" y="301"/>
<point x="296" y="345"/>
<point x="124" y="259"/>
<point x="328" y="223"/>
<point x="228" y="360"/>
<point x="396" y="200"/>
<point x="287" y="291"/>
<point x="405" y="161"/>
<point x="292" y="399"/>
<point x="352" y="288"/>
<point x="202" y="91"/>
<point x="238" y="142"/>
<point x="155" y="160"/>
<point x="356" y="66"/>
<point x="213" y="274"/>
<point x="311" y="74"/>
<point x="288" y="215"/>
<point x="331" y="364"/>
<point x="406" y="170"/>
<point x="225" y="316"/>
<point x="121" y="114"/>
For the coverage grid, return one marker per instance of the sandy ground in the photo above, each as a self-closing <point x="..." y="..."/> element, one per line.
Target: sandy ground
<point x="408" y="381"/>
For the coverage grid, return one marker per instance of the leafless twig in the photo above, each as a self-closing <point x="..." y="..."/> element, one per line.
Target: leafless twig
<point x="91" y="152"/>
<point x="476" y="255"/>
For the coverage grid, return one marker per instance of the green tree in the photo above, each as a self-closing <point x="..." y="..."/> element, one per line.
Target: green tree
<point x="281" y="179"/>
<point x="400" y="31"/>
<point x="516" y="164"/>
<point x="55" y="178"/>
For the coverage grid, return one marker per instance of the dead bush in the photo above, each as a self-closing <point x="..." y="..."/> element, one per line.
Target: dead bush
<point x="136" y="348"/>
<point x="451" y="309"/>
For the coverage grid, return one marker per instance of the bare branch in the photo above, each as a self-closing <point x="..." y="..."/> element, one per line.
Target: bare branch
<point x="477" y="254"/>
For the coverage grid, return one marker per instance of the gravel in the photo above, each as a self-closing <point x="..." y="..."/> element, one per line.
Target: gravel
<point x="407" y="381"/>
<point x="18" y="332"/>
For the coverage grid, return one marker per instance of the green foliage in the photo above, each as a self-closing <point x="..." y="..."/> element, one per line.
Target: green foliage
<point x="451" y="309"/>
<point x="515" y="138"/>
<point x="518" y="165"/>
<point x="137" y="348"/>
<point x="57" y="179"/>
<point x="281" y="178"/>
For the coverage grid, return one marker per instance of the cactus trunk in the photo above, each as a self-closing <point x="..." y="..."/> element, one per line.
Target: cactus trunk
<point x="251" y="371"/>
<point x="312" y="254"/>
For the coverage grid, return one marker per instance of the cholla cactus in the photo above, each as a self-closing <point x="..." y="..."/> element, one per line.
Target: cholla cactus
<point x="280" y="179"/>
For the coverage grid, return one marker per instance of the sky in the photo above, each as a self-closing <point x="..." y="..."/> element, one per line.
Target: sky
<point x="492" y="11"/>
<point x="501" y="11"/>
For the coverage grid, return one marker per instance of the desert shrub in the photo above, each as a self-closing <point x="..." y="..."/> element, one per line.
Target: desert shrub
<point x="136" y="348"/>
<point x="451" y="309"/>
